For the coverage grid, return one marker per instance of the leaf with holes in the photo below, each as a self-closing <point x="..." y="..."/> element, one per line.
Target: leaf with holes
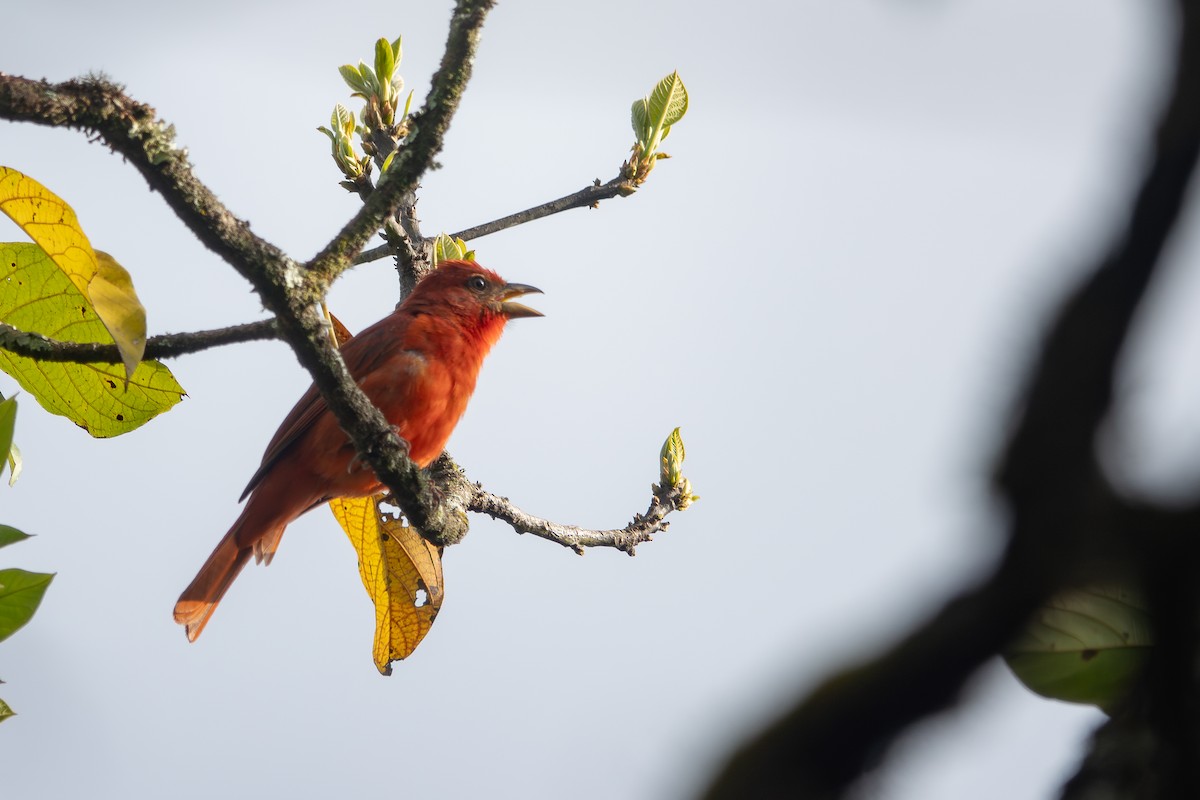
<point x="1084" y="646"/>
<point x="38" y="297"/>
<point x="402" y="574"/>
<point x="53" y="226"/>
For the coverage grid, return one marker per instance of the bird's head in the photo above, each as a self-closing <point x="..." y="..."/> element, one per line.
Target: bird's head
<point x="474" y="290"/>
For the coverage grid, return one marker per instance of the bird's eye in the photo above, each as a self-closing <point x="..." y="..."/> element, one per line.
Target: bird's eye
<point x="476" y="283"/>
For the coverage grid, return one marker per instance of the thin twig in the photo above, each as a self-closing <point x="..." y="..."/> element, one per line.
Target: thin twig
<point x="586" y="197"/>
<point x="374" y="254"/>
<point x="167" y="345"/>
<point x="641" y="529"/>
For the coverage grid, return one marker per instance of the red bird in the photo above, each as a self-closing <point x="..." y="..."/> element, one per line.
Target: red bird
<point x="418" y="365"/>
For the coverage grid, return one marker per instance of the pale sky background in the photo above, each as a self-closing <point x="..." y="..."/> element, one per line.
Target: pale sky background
<point x="871" y="209"/>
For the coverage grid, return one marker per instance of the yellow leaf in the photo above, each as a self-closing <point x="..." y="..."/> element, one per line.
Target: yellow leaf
<point x="401" y="572"/>
<point x="36" y="296"/>
<point x="51" y="223"/>
<point x="53" y="226"/>
<point x="112" y="295"/>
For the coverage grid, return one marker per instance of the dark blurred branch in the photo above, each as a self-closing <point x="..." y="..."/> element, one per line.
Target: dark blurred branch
<point x="1065" y="523"/>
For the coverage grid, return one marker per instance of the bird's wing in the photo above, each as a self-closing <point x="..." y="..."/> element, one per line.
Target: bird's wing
<point x="362" y="354"/>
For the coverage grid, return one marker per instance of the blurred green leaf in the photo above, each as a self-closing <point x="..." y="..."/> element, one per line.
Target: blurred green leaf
<point x="1084" y="646"/>
<point x="20" y="594"/>
<point x="6" y="711"/>
<point x="10" y="535"/>
<point x="8" y="425"/>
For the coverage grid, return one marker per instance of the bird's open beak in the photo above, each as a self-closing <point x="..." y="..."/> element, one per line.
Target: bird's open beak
<point x="514" y="310"/>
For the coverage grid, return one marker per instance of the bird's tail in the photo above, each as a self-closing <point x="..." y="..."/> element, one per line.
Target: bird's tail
<point x="199" y="600"/>
<point x="256" y="532"/>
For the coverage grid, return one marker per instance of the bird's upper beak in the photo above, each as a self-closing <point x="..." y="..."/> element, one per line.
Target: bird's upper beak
<point x="514" y="310"/>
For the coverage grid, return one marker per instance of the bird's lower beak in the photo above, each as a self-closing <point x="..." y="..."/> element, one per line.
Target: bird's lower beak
<point x="514" y="310"/>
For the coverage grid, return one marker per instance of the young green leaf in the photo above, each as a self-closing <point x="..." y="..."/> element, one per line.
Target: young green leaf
<point x="652" y="118"/>
<point x="342" y="120"/>
<point x="640" y="118"/>
<point x="671" y="459"/>
<point x="20" y="594"/>
<point x="6" y="711"/>
<point x="374" y="89"/>
<point x="446" y="248"/>
<point x="353" y="79"/>
<point x="668" y="102"/>
<point x="385" y="61"/>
